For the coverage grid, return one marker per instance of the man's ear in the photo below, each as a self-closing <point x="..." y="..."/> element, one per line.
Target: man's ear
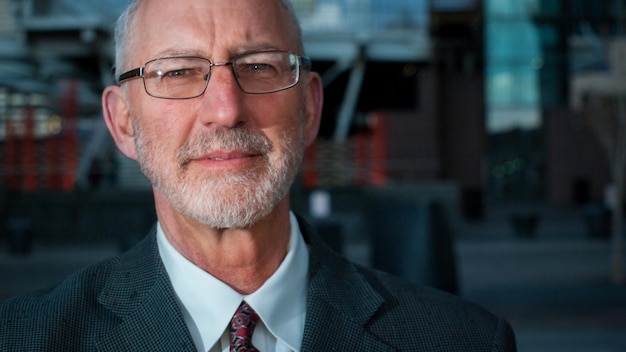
<point x="314" y="103"/>
<point x="117" y="117"/>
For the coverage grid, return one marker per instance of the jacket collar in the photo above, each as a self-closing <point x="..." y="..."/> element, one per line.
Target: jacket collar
<point x="340" y="302"/>
<point x="140" y="294"/>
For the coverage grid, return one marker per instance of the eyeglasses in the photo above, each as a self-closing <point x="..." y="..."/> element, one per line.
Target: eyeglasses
<point x="187" y="77"/>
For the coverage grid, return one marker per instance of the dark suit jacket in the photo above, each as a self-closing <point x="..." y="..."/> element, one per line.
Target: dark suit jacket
<point x="127" y="304"/>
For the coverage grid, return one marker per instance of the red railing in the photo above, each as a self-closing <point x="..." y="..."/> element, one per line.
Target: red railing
<point x="41" y="162"/>
<point x="361" y="160"/>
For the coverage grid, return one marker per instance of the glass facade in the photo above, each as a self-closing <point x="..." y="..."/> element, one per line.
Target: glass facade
<point x="534" y="46"/>
<point x="513" y="63"/>
<point x="534" y="49"/>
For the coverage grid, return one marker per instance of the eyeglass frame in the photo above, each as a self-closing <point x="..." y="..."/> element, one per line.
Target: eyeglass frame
<point x="301" y="62"/>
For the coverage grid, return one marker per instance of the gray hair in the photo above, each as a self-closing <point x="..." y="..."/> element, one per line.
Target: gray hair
<point x="123" y="34"/>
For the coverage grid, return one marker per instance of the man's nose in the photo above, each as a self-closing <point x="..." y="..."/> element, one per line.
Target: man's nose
<point x="223" y="97"/>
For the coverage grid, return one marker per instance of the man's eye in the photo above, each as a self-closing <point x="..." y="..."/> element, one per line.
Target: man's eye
<point x="255" y="67"/>
<point x="258" y="69"/>
<point x="177" y="73"/>
<point x="261" y="67"/>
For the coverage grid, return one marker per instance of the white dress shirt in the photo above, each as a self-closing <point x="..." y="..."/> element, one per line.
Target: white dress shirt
<point x="208" y="304"/>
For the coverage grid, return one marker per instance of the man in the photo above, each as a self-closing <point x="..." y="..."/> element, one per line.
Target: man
<point x="216" y="102"/>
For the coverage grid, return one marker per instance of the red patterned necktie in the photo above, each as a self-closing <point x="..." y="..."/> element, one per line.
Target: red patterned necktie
<point x="241" y="329"/>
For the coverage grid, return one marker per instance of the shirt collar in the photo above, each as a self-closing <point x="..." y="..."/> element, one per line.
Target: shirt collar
<point x="209" y="304"/>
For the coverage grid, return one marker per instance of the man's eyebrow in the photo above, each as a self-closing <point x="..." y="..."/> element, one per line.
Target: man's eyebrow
<point x="174" y="53"/>
<point x="234" y="53"/>
<point x="255" y="49"/>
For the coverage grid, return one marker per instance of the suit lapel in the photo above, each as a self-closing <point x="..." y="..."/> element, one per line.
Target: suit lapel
<point x="340" y="302"/>
<point x="140" y="294"/>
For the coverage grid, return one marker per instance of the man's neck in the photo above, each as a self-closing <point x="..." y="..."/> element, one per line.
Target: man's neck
<point x="242" y="258"/>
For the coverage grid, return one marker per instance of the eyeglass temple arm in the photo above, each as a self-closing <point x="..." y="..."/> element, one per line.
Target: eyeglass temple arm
<point x="305" y="61"/>
<point x="138" y="72"/>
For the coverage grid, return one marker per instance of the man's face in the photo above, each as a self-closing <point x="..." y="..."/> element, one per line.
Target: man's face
<point x="227" y="158"/>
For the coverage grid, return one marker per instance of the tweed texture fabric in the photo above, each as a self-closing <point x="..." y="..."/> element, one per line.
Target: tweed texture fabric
<point x="127" y="303"/>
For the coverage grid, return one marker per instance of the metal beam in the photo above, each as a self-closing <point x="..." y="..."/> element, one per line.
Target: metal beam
<point x="98" y="141"/>
<point x="348" y="107"/>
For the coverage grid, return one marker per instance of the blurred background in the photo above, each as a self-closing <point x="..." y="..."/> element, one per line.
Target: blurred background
<point x="478" y="146"/>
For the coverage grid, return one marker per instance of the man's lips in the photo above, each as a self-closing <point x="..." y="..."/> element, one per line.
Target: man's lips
<point x="222" y="159"/>
<point x="229" y="159"/>
<point x="228" y="155"/>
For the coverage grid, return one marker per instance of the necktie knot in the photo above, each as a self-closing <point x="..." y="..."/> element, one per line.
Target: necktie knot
<point x="241" y="329"/>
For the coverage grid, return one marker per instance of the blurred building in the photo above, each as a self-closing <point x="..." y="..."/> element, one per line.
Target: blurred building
<point x="540" y="148"/>
<point x="473" y="92"/>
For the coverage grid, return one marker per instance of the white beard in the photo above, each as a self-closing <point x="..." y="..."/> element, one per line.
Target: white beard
<point x="228" y="200"/>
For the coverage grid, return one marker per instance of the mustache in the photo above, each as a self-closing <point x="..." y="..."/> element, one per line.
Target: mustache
<point x="242" y="139"/>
